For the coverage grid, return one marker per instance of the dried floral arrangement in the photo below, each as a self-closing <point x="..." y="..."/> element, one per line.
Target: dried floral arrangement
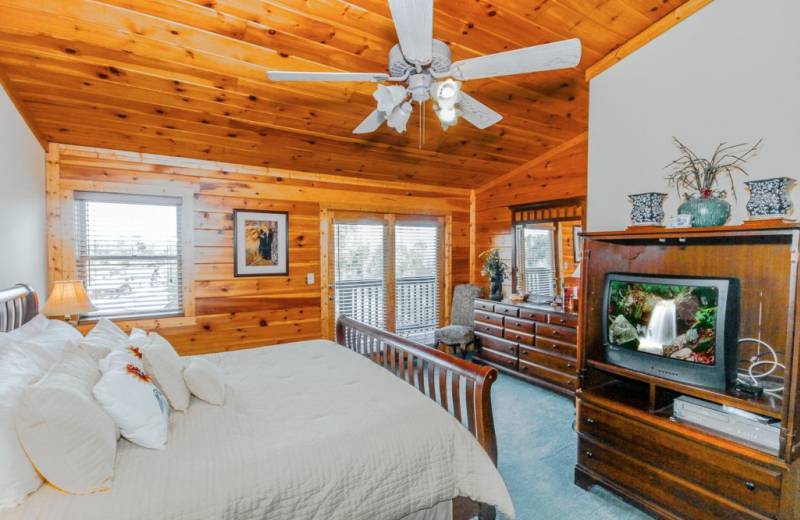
<point x="493" y="266"/>
<point x="693" y="173"/>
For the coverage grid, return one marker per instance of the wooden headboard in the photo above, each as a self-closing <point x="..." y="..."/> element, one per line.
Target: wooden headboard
<point x="18" y="305"/>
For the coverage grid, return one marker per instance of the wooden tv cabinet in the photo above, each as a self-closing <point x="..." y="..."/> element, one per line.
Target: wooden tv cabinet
<point x="629" y="442"/>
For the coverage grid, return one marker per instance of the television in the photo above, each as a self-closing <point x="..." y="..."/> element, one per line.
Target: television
<point x="684" y="329"/>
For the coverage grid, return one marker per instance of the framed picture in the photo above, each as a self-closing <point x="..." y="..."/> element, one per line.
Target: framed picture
<point x="576" y="243"/>
<point x="260" y="243"/>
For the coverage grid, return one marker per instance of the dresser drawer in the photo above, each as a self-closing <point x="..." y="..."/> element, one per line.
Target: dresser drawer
<point x="519" y="337"/>
<point x="534" y="315"/>
<point x="489" y="317"/>
<point x="563" y="320"/>
<point x="483" y="305"/>
<point x="506" y="310"/>
<point x="748" y="483"/>
<point x="520" y="324"/>
<point x="500" y="345"/>
<point x="557" y="363"/>
<point x="487" y="328"/>
<point x="551" y="376"/>
<point x="557" y="333"/>
<point x="557" y="347"/>
<point x="499" y="359"/>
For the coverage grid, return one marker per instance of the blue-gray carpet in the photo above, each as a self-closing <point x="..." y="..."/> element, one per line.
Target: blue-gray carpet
<point x="537" y="450"/>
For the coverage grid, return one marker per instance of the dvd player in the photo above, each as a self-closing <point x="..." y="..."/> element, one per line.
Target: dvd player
<point x="749" y="427"/>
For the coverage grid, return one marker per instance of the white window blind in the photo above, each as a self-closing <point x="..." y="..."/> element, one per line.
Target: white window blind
<point x="536" y="255"/>
<point x="128" y="253"/>
<point x="360" y="272"/>
<point x="418" y="280"/>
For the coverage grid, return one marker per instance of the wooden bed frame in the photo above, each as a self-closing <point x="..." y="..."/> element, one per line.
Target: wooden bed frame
<point x="441" y="377"/>
<point x="424" y="368"/>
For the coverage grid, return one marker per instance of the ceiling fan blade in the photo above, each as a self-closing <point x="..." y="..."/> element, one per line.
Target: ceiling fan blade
<point x="551" y="56"/>
<point x="276" y="75"/>
<point x="477" y="113"/>
<point x="371" y="123"/>
<point x="413" y="21"/>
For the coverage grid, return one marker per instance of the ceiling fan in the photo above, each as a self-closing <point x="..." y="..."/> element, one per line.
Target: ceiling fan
<point x="420" y="61"/>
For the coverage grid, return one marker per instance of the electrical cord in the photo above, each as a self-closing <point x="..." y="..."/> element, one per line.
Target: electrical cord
<point x="754" y="362"/>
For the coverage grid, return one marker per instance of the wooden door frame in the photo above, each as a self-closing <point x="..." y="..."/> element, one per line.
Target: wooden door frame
<point x="327" y="216"/>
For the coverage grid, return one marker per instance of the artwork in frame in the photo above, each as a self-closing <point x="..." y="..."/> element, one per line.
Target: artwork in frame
<point x="260" y="243"/>
<point x="576" y="243"/>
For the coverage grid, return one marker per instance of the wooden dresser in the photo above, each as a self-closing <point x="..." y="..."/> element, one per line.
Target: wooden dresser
<point x="535" y="343"/>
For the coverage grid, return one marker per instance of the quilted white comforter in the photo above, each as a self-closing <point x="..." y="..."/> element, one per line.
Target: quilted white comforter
<point x="309" y="430"/>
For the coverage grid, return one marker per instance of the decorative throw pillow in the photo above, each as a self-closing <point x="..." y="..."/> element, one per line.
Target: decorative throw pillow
<point x="68" y="437"/>
<point x="205" y="380"/>
<point x="18" y="479"/>
<point x="37" y="324"/>
<point x="103" y="338"/>
<point x="121" y="358"/>
<point x="128" y="395"/>
<point x="164" y="365"/>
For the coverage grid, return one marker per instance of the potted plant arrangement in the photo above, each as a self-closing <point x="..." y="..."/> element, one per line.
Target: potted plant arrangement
<point x="699" y="178"/>
<point x="496" y="270"/>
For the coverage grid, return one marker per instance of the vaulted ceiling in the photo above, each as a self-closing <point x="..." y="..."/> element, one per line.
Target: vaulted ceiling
<point x="187" y="78"/>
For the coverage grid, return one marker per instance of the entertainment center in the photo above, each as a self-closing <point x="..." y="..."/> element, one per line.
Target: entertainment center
<point x="639" y="432"/>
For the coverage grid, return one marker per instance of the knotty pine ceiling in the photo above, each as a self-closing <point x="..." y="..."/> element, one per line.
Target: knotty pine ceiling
<point x="187" y="78"/>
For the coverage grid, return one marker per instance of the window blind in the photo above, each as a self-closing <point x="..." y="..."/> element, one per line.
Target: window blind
<point x="128" y="253"/>
<point x="536" y="251"/>
<point x="360" y="272"/>
<point x="417" y="280"/>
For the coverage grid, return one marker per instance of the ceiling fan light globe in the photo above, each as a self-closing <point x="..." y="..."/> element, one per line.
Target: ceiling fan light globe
<point x="400" y="116"/>
<point x="389" y="98"/>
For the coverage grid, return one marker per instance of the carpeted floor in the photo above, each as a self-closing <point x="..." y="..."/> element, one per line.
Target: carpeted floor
<point x="537" y="449"/>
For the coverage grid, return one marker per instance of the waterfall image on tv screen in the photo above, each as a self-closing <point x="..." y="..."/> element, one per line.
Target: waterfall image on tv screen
<point x="675" y="321"/>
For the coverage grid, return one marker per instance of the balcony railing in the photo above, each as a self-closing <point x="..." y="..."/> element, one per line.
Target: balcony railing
<point x="416" y="305"/>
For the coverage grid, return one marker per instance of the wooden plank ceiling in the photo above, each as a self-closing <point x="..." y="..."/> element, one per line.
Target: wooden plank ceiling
<point x="187" y="78"/>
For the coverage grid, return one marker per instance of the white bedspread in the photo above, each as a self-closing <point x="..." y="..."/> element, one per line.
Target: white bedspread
<point x="309" y="430"/>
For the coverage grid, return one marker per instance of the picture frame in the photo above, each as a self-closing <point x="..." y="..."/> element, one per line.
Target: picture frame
<point x="576" y="243"/>
<point x="260" y="243"/>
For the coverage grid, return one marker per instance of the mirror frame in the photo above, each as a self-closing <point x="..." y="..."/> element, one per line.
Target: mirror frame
<point x="558" y="210"/>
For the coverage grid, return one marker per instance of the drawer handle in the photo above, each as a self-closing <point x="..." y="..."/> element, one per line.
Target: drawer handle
<point x="524" y="368"/>
<point x="487" y="328"/>
<point x="518" y="336"/>
<point x="569" y="383"/>
<point x="590" y="420"/>
<point x="589" y="454"/>
<point x="555" y="347"/>
<point x="569" y="365"/>
<point x="562" y="320"/>
<point x="524" y="352"/>
<point x="750" y="486"/>
<point x="555" y="333"/>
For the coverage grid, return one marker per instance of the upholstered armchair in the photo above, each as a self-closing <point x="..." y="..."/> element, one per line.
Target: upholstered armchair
<point x="461" y="331"/>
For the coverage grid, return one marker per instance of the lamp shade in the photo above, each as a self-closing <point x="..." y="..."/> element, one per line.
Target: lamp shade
<point x="68" y="297"/>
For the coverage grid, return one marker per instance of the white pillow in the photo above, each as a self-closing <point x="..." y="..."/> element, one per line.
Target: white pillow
<point x="103" y="338"/>
<point x="45" y="347"/>
<point x="120" y="358"/>
<point x="17" y="477"/>
<point x="37" y="324"/>
<point x="205" y="380"/>
<point x="68" y="437"/>
<point x="164" y="365"/>
<point x="127" y="394"/>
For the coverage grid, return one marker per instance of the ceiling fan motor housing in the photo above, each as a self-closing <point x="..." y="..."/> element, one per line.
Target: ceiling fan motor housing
<point x="440" y="62"/>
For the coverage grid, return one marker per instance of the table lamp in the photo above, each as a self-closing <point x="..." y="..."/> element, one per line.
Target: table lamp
<point x="68" y="298"/>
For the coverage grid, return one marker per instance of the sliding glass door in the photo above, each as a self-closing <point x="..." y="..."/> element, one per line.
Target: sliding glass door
<point x="387" y="270"/>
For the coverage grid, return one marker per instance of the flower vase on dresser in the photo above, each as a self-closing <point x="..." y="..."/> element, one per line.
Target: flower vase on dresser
<point x="707" y="208"/>
<point x="647" y="209"/>
<point x="496" y="270"/>
<point x="769" y="199"/>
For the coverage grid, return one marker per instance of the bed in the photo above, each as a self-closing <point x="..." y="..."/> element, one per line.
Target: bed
<point x="381" y="429"/>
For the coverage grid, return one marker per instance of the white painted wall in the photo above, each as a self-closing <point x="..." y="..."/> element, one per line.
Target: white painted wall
<point x="23" y="214"/>
<point x="729" y="73"/>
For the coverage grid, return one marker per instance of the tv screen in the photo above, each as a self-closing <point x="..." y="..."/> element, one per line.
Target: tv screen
<point x="674" y="321"/>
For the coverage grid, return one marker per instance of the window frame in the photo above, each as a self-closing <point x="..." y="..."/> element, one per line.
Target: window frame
<point x="68" y="259"/>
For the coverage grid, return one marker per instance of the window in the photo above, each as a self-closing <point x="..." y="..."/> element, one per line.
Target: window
<point x="387" y="272"/>
<point x="128" y="253"/>
<point x="417" y="277"/>
<point x="536" y="260"/>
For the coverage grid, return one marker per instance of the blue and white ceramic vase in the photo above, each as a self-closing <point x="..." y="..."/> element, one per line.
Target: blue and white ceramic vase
<point x="707" y="208"/>
<point x="769" y="198"/>
<point x="647" y="209"/>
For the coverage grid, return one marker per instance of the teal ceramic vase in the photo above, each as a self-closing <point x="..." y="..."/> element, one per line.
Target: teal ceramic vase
<point x="706" y="209"/>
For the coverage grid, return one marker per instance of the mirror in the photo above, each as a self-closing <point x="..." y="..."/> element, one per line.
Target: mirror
<point x="545" y="254"/>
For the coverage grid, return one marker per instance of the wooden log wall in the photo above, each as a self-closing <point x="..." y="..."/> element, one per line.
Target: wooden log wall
<point x="234" y="313"/>
<point x="560" y="176"/>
